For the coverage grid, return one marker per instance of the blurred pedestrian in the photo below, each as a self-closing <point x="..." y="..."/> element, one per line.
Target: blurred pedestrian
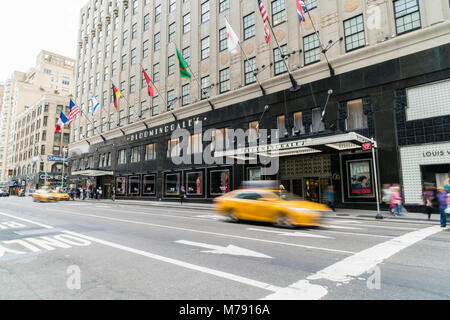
<point x="182" y="194"/>
<point x="386" y="194"/>
<point x="113" y="194"/>
<point x="99" y="193"/>
<point x="84" y="194"/>
<point x="442" y="199"/>
<point x="428" y="196"/>
<point x="330" y="197"/>
<point x="71" y="194"/>
<point x="396" y="201"/>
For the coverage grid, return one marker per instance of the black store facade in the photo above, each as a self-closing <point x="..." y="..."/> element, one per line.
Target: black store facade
<point x="363" y="105"/>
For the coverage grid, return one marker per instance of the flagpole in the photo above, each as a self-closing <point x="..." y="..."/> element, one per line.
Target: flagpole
<point x="199" y="85"/>
<point x="320" y="42"/>
<point x="84" y="114"/>
<point x="157" y="90"/>
<point x="246" y="58"/>
<point x="295" y="85"/>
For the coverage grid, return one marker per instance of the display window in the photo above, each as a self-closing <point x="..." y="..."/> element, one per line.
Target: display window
<point x="121" y="185"/>
<point x="149" y="185"/>
<point x="194" y="183"/>
<point x="172" y="183"/>
<point x="254" y="174"/>
<point x="219" y="182"/>
<point x="360" y="181"/>
<point x="134" y="185"/>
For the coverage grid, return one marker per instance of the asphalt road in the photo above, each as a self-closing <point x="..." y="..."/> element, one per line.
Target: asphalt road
<point x="91" y="250"/>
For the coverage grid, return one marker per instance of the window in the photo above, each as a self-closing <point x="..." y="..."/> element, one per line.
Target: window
<point x="356" y="119"/>
<point x="135" y="154"/>
<point x="146" y="22"/>
<point x="253" y="130"/>
<point x="250" y="65"/>
<point x="103" y="125"/>
<point x="205" y="87"/>
<point x="171" y="65"/>
<point x="407" y="15"/>
<point x="145" y="49"/>
<point x="172" y="5"/>
<point x="187" y="55"/>
<point x="278" y="12"/>
<point x="57" y="137"/>
<point x="281" y="126"/>
<point x="280" y="66"/>
<point x="150" y="152"/>
<point x="224" y="80"/>
<point x="135" y="6"/>
<point x="171" y="32"/>
<point x="156" y="72"/>
<point x="185" y="99"/>
<point x="195" y="144"/>
<point x="223" y="40"/>
<point x="317" y="124"/>
<point x="121" y="185"/>
<point x="224" y="5"/>
<point x="56" y="151"/>
<point x="157" y="42"/>
<point x="311" y="48"/>
<point x="311" y="4"/>
<point x="354" y="33"/>
<point x="112" y="121"/>
<point x="173" y="184"/>
<point x="134" y="185"/>
<point x="170" y="100"/>
<point x="131" y="115"/>
<point x="187" y="23"/>
<point x="122" y="117"/>
<point x="205" y="11"/>
<point x="144" y="109"/>
<point x="149" y="185"/>
<point x="158" y="14"/>
<point x="134" y="31"/>
<point x="155" y="106"/>
<point x="125" y="37"/>
<point x="220" y="182"/>
<point x="122" y="156"/>
<point x="124" y="62"/>
<point x="173" y="148"/>
<point x="298" y="123"/>
<point x="133" y="56"/>
<point x="113" y="68"/>
<point x="249" y="26"/>
<point x="205" y="48"/>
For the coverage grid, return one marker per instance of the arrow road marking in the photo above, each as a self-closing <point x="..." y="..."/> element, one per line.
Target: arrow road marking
<point x="231" y="250"/>
<point x="292" y="234"/>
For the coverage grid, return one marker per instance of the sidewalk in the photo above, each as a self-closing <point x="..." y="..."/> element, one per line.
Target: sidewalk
<point x="342" y="213"/>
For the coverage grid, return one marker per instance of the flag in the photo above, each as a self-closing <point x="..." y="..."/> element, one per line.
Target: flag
<point x="62" y="121"/>
<point x="117" y="96"/>
<point x="149" y="87"/>
<point x="73" y="112"/>
<point x="93" y="103"/>
<point x="183" y="66"/>
<point x="265" y="18"/>
<point x="233" y="40"/>
<point x="301" y="9"/>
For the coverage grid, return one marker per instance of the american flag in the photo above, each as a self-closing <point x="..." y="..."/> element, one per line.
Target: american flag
<point x="301" y="9"/>
<point x="73" y="112"/>
<point x="265" y="18"/>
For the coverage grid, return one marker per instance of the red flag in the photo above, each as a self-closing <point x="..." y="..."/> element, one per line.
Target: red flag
<point x="149" y="87"/>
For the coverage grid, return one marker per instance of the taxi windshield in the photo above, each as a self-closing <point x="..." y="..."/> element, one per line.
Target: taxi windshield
<point x="287" y="196"/>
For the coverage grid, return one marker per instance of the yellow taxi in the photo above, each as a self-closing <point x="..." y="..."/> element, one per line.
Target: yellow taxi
<point x="271" y="205"/>
<point x="44" y="195"/>
<point x="61" y="195"/>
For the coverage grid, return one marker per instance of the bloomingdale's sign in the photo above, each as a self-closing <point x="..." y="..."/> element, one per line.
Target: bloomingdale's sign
<point x="164" y="129"/>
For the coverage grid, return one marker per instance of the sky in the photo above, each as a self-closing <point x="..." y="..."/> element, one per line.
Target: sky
<point x="29" y="26"/>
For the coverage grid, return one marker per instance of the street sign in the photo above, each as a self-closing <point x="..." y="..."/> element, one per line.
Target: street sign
<point x="57" y="158"/>
<point x="367" y="146"/>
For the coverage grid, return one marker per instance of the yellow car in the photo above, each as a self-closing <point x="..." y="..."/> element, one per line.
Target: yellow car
<point x="61" y="196"/>
<point x="278" y="207"/>
<point x="44" y="195"/>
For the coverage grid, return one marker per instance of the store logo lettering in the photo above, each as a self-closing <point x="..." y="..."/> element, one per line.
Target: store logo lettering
<point x="441" y="153"/>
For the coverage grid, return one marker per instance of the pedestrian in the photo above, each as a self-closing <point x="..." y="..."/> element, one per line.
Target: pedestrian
<point x="182" y="194"/>
<point x="442" y="199"/>
<point x="329" y="196"/>
<point x="84" y="194"/>
<point x="100" y="193"/>
<point x="113" y="194"/>
<point x="428" y="196"/>
<point x="71" y="194"/>
<point x="386" y="194"/>
<point x="396" y="202"/>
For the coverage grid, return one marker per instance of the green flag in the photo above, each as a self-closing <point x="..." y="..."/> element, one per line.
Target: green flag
<point x="183" y="66"/>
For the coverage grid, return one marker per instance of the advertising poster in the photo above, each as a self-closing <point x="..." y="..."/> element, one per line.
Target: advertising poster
<point x="360" y="179"/>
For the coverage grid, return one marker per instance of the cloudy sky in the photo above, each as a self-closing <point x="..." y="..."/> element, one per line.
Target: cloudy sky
<point x="28" y="26"/>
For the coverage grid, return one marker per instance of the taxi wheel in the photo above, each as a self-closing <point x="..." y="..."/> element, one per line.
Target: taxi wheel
<point x="283" y="221"/>
<point x="231" y="216"/>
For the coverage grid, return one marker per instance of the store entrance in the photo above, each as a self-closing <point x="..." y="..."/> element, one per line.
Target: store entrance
<point x="315" y="189"/>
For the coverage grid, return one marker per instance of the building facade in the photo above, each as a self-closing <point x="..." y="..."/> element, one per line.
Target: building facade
<point x="372" y="51"/>
<point x="46" y="86"/>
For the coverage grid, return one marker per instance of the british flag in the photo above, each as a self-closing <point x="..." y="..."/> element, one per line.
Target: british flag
<point x="265" y="18"/>
<point x="301" y="9"/>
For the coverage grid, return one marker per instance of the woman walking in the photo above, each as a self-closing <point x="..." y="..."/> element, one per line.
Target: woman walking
<point x="396" y="202"/>
<point x="442" y="199"/>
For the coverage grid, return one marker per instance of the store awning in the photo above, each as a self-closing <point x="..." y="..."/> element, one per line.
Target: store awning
<point x="93" y="173"/>
<point x="333" y="143"/>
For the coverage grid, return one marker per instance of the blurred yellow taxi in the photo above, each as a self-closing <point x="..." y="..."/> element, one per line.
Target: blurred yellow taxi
<point x="44" y="195"/>
<point x="279" y="207"/>
<point x="61" y="195"/>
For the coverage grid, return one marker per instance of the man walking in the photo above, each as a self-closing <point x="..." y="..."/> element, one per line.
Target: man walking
<point x="442" y="199"/>
<point x="182" y="194"/>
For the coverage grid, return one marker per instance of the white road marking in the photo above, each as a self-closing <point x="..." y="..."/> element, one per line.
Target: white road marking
<point x="356" y="234"/>
<point x="291" y="234"/>
<point x="26" y="220"/>
<point x="340" y="227"/>
<point x="210" y="216"/>
<point x="211" y="233"/>
<point x="11" y="225"/>
<point x="230" y="250"/>
<point x="221" y="274"/>
<point x="351" y="267"/>
<point x="347" y="221"/>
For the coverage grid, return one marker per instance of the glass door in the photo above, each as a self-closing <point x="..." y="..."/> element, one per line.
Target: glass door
<point x="324" y="183"/>
<point x="312" y="189"/>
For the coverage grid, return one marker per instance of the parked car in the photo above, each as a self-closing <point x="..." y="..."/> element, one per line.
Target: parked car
<point x="4" y="193"/>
